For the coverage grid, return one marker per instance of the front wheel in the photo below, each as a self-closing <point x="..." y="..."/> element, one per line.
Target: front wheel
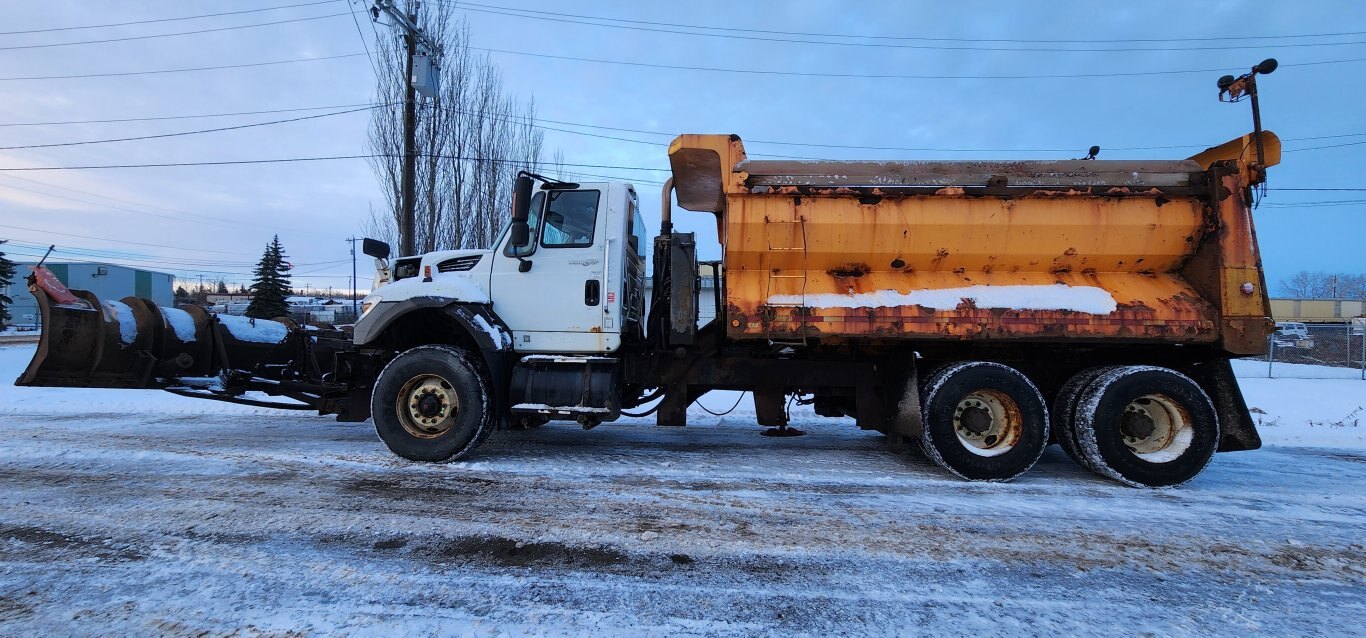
<point x="431" y="403"/>
<point x="983" y="421"/>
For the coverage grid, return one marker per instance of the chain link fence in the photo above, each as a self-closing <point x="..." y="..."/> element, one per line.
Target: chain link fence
<point x="1334" y="345"/>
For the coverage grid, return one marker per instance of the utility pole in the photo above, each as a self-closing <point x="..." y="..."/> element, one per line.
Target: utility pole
<point x="408" y="223"/>
<point x="413" y="35"/>
<point x="354" y="308"/>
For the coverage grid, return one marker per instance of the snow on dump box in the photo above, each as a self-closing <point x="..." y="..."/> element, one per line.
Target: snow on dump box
<point x="254" y="330"/>
<point x="1088" y="299"/>
<point x="128" y="325"/>
<point x="181" y="322"/>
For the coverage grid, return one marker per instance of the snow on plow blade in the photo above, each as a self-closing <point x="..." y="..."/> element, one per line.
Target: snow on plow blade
<point x="134" y="343"/>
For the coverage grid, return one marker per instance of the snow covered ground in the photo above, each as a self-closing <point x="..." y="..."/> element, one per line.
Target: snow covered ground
<point x="128" y="512"/>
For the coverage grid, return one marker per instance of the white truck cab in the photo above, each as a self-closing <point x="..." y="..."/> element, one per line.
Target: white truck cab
<point x="576" y="287"/>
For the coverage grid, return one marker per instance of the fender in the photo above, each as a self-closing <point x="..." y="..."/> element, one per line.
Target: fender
<point x="483" y="326"/>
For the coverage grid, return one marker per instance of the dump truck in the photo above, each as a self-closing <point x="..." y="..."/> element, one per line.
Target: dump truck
<point x="978" y="310"/>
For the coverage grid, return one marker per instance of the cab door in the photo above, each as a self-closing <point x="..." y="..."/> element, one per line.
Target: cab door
<point x="552" y="293"/>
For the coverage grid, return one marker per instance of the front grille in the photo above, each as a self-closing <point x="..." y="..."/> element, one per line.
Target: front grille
<point x="459" y="264"/>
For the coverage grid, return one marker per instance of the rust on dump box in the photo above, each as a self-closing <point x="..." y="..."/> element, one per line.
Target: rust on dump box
<point x="1154" y="251"/>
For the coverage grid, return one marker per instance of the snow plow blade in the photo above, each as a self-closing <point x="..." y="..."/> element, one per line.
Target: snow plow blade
<point x="135" y="343"/>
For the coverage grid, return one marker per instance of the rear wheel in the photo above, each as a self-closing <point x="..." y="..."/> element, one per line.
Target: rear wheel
<point x="431" y="404"/>
<point x="983" y="421"/>
<point x="1146" y="426"/>
<point x="1064" y="412"/>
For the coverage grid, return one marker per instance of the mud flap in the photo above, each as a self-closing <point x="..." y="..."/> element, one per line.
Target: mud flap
<point x="1238" y="430"/>
<point x="904" y="396"/>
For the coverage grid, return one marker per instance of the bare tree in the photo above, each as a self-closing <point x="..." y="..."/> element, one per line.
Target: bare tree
<point x="1320" y="285"/>
<point x="472" y="139"/>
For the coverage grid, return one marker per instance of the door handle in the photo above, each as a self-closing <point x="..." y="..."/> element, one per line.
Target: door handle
<point x="592" y="292"/>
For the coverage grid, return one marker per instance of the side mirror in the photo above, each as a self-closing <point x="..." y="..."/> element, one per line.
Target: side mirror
<point x="375" y="248"/>
<point x="521" y="210"/>
<point x="521" y="234"/>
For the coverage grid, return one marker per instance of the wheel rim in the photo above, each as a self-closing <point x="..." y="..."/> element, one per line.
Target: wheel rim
<point x="988" y="422"/>
<point x="1156" y="428"/>
<point x="427" y="406"/>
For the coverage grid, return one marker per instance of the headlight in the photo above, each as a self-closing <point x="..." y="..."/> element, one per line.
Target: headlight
<point x="368" y="303"/>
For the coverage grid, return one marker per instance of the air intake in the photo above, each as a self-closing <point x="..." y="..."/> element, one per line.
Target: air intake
<point x="459" y="264"/>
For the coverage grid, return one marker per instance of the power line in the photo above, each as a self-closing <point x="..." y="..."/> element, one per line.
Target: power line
<point x="1316" y="148"/>
<point x="156" y="20"/>
<point x="168" y="35"/>
<point x="196" y="132"/>
<point x="158" y="261"/>
<point x="560" y="19"/>
<point x="181" y="70"/>
<point x="664" y="134"/>
<point x="106" y="253"/>
<point x="678" y="67"/>
<point x="915" y="38"/>
<point x="892" y="76"/>
<point x="1319" y="204"/>
<point x="1356" y="190"/>
<point x="122" y="241"/>
<point x="179" y="216"/>
<point x="382" y="155"/>
<point x="366" y="45"/>
<point x="304" y="159"/>
<point x="169" y="267"/>
<point x="533" y="122"/>
<point x="96" y="195"/>
<point x="189" y="117"/>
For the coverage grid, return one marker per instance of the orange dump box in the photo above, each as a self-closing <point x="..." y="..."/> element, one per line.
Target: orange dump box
<point x="1093" y="250"/>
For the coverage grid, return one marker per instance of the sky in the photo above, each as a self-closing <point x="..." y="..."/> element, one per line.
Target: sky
<point x="794" y="78"/>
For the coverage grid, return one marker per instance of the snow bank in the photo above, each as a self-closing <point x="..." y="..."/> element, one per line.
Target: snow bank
<point x="97" y="401"/>
<point x="254" y="330"/>
<point x="128" y="325"/>
<point x="1088" y="299"/>
<point x="1328" y="409"/>
<point x="181" y="322"/>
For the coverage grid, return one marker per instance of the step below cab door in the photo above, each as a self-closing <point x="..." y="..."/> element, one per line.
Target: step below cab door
<point x="553" y="293"/>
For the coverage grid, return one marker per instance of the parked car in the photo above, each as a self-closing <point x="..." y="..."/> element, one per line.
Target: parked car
<point x="1292" y="334"/>
<point x="1291" y="330"/>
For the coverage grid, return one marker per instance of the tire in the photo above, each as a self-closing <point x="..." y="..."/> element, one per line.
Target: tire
<point x="1146" y="426"/>
<point x="446" y="412"/>
<point x="1064" y="412"/>
<point x="957" y="399"/>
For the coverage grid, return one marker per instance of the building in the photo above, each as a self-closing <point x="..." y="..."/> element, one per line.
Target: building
<point x="107" y="281"/>
<point x="223" y="299"/>
<point x="1317" y="310"/>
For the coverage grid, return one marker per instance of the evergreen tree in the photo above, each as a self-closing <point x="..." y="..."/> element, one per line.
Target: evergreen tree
<point x="222" y="287"/>
<point x="7" y="268"/>
<point x="270" y="284"/>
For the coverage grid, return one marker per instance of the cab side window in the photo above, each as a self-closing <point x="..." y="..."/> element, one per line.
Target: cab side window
<point x="571" y="218"/>
<point x="637" y="231"/>
<point x="533" y="222"/>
